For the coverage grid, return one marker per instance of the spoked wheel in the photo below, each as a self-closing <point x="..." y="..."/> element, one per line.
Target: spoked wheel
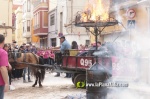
<point x="73" y="76"/>
<point x="80" y="81"/>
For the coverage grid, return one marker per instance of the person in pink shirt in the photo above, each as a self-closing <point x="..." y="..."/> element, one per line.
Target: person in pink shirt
<point x="52" y="57"/>
<point x="42" y="53"/>
<point x="38" y="52"/>
<point x="4" y="79"/>
<point x="46" y="57"/>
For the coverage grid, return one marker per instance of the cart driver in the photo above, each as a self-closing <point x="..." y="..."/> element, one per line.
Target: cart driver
<point x="64" y="46"/>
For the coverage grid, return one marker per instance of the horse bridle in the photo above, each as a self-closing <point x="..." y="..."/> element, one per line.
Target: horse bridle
<point x="14" y="55"/>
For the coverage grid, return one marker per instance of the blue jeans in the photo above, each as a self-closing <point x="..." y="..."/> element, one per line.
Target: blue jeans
<point x="51" y="61"/>
<point x="46" y="61"/>
<point x="24" y="72"/>
<point x="2" y="92"/>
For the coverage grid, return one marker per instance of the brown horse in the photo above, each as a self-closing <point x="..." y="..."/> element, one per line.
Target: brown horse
<point x="38" y="71"/>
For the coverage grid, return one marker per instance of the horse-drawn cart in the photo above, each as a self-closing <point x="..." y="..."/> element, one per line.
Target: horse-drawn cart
<point x="70" y="62"/>
<point x="78" y="64"/>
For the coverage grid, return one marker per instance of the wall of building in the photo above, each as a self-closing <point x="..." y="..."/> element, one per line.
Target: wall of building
<point x="68" y="15"/>
<point x="27" y="16"/>
<point x="34" y="39"/>
<point x="6" y="17"/>
<point x="40" y="18"/>
<point x="52" y="4"/>
<point x="52" y="28"/>
<point x="19" y="27"/>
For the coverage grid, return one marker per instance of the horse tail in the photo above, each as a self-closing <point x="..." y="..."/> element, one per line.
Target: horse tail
<point x="42" y="74"/>
<point x="42" y="69"/>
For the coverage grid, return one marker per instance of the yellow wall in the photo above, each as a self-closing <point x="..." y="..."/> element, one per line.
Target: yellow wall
<point x="34" y="39"/>
<point x="19" y="27"/>
<point x="6" y="17"/>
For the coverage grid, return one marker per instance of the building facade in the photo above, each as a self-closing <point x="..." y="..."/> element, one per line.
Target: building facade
<point x="6" y="20"/>
<point x="66" y="12"/>
<point x="19" y="27"/>
<point x="52" y="23"/>
<point x="40" y="18"/>
<point x="26" y="7"/>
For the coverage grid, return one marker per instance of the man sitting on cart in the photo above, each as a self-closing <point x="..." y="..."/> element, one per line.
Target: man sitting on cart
<point x="64" y="46"/>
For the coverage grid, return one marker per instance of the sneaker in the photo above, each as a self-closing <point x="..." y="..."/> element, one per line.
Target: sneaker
<point x="11" y="87"/>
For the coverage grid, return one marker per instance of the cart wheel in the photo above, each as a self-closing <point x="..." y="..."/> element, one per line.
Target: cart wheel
<point x="73" y="77"/>
<point x="80" y="81"/>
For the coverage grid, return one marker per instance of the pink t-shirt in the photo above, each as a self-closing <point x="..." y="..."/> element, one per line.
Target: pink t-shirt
<point x="38" y="52"/>
<point x="52" y="55"/>
<point x="46" y="55"/>
<point x="3" y="62"/>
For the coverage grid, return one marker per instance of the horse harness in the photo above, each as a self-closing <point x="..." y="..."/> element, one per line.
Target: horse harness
<point x="39" y="70"/>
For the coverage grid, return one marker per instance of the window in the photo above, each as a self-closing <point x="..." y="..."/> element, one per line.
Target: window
<point x="53" y="42"/>
<point x="38" y="19"/>
<point x="45" y="18"/>
<point x="35" y="19"/>
<point x="52" y="19"/>
<point x="28" y="26"/>
<point x="87" y="42"/>
<point x="28" y="6"/>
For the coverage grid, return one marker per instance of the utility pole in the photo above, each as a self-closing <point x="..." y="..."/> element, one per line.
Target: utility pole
<point x="71" y="15"/>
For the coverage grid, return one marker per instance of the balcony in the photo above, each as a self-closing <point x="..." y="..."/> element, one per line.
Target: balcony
<point x="26" y="34"/>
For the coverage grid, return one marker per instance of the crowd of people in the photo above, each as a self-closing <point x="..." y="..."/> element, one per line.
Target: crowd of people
<point x="48" y="54"/>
